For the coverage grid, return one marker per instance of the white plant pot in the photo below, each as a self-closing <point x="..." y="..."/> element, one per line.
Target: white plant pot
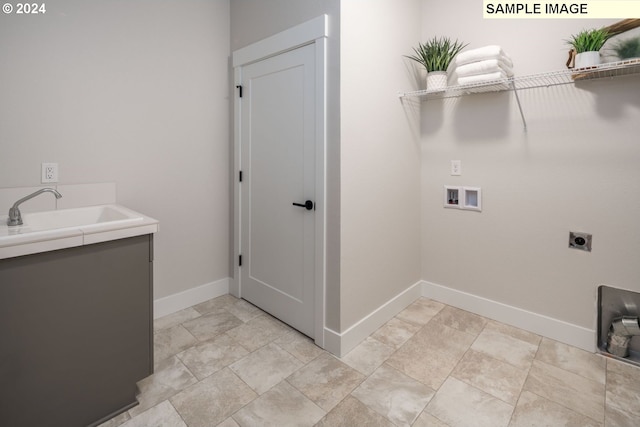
<point x="437" y="80"/>
<point x="587" y="59"/>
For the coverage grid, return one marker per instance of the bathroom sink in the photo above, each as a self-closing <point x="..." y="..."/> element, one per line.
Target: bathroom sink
<point x="58" y="229"/>
<point x="79" y="217"/>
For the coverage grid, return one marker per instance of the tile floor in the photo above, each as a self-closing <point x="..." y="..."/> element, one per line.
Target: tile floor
<point x="226" y="363"/>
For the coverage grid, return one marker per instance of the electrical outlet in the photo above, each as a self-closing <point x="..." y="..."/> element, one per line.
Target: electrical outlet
<point x="49" y="172"/>
<point x="456" y="167"/>
<point x="580" y="241"/>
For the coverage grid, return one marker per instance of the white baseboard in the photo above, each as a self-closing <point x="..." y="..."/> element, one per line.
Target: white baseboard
<point x="342" y="343"/>
<point x="332" y="340"/>
<point x="190" y="297"/>
<point x="549" y="327"/>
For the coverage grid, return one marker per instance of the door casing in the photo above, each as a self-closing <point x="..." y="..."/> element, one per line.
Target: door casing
<point x="313" y="32"/>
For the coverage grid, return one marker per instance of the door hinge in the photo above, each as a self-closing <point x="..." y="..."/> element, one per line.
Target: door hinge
<point x="239" y="87"/>
<point x="239" y="260"/>
<point x="240" y="176"/>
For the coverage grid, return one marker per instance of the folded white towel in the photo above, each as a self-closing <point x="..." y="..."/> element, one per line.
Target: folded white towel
<point x="483" y="67"/>
<point x="481" y="78"/>
<point x="482" y="53"/>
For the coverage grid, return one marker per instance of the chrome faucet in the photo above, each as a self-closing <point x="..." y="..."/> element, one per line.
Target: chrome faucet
<point x="15" y="217"/>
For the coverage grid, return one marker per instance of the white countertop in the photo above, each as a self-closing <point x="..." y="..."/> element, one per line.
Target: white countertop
<point x="66" y="228"/>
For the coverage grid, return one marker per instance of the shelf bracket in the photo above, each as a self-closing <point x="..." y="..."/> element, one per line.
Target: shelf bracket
<point x="515" y="92"/>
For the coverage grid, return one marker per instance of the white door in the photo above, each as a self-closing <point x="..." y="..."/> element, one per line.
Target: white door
<point x="277" y="148"/>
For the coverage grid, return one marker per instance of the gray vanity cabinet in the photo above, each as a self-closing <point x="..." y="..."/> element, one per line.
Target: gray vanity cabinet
<point x="76" y="332"/>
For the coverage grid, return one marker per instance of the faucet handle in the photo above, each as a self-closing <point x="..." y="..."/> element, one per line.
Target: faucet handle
<point x="15" y="217"/>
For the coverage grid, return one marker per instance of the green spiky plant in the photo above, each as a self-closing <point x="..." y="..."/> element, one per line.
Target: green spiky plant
<point x="629" y="48"/>
<point x="436" y="54"/>
<point x="589" y="40"/>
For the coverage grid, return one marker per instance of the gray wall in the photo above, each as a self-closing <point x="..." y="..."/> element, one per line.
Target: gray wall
<point x="254" y="20"/>
<point x="380" y="156"/>
<point x="576" y="168"/>
<point x="133" y="93"/>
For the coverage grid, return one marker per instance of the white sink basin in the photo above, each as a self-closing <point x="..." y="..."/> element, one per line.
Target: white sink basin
<point x="79" y="217"/>
<point x="63" y="228"/>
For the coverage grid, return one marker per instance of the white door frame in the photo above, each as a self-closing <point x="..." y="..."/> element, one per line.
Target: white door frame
<point x="313" y="32"/>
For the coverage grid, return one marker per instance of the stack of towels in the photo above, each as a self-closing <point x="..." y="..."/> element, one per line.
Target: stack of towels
<point x="480" y="65"/>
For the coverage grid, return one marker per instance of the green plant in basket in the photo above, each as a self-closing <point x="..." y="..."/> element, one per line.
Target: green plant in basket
<point x="436" y="54"/>
<point x="589" y="40"/>
<point x="629" y="48"/>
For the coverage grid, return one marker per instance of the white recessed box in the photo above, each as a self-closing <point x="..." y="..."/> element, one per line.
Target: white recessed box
<point x="452" y="196"/>
<point x="471" y="198"/>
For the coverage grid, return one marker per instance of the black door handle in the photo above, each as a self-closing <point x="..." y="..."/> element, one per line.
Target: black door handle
<point x="308" y="205"/>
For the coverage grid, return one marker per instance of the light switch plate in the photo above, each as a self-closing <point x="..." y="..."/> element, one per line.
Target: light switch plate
<point x="456" y="167"/>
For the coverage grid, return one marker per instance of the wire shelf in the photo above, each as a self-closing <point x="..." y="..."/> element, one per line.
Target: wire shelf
<point x="547" y="79"/>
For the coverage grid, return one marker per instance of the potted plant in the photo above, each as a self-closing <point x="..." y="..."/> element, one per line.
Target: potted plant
<point x="587" y="45"/>
<point x="629" y="48"/>
<point x="435" y="55"/>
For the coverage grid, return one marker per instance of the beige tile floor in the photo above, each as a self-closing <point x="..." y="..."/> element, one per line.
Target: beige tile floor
<point x="226" y="363"/>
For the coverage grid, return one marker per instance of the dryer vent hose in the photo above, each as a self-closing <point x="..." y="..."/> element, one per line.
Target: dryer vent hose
<point x="621" y="331"/>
